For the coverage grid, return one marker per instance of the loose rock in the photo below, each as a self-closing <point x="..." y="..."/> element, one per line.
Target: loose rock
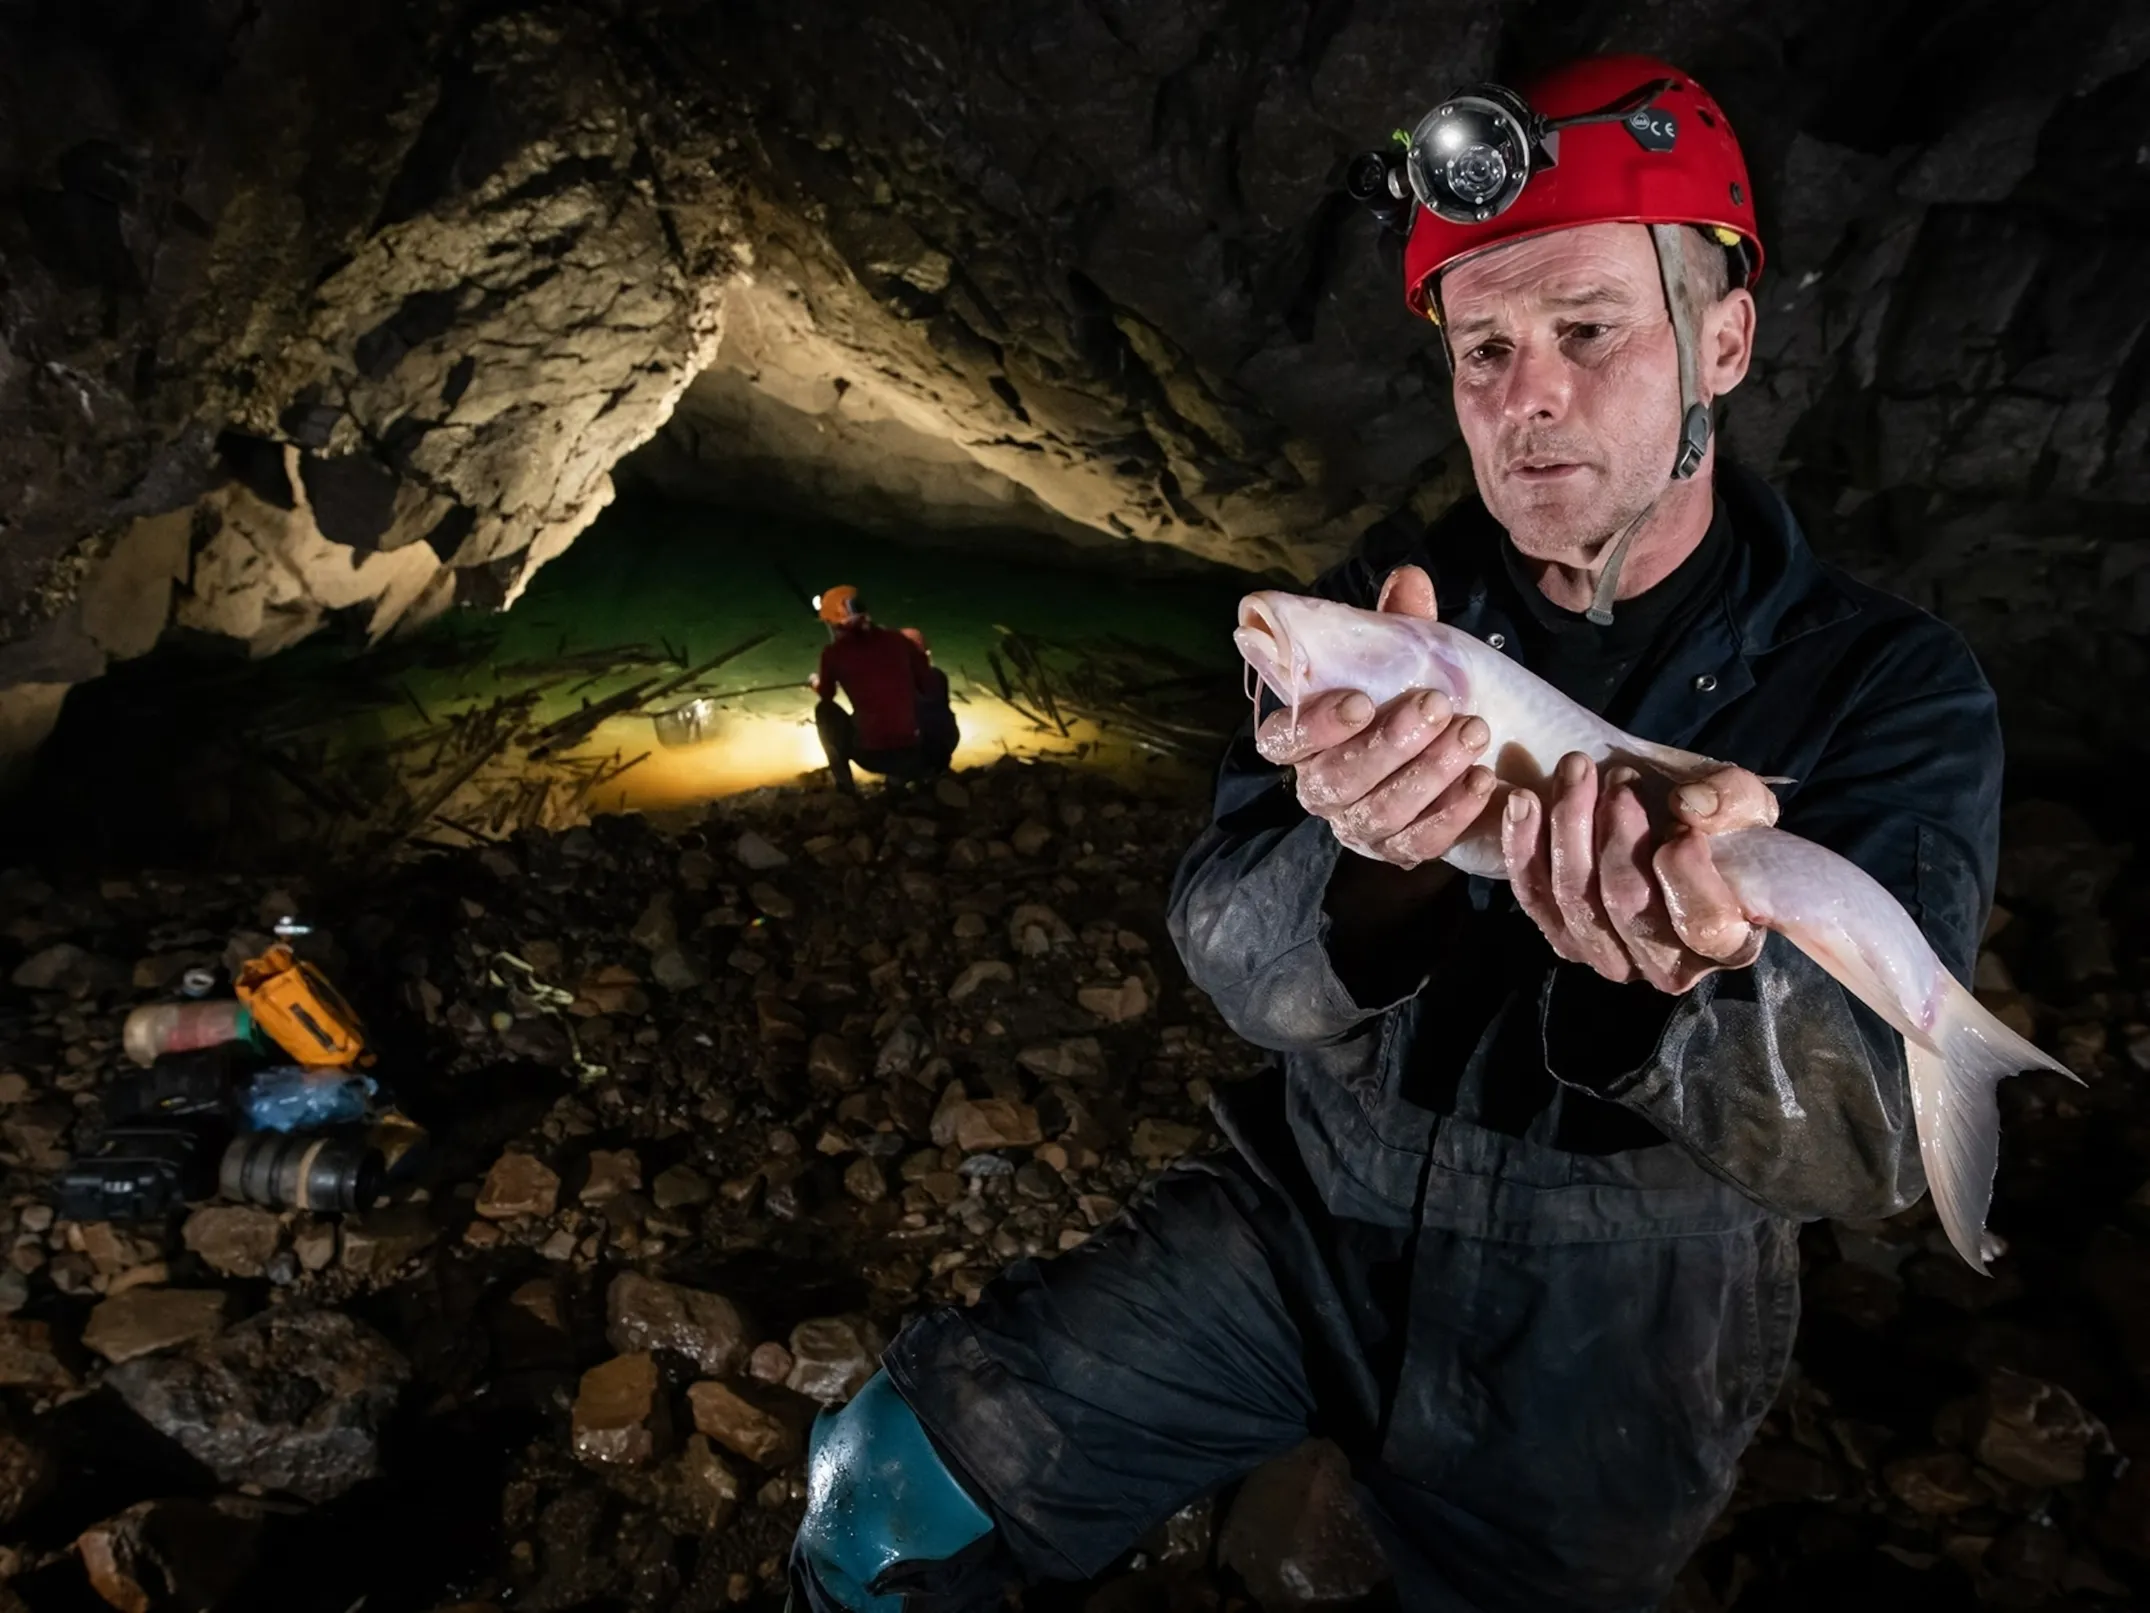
<point x="1296" y="1535"/>
<point x="642" y="1314"/>
<point x="176" y="1556"/>
<point x="143" y="1321"/>
<point x="380" y="1243"/>
<point x="237" y="1240"/>
<point x="678" y="1187"/>
<point x="27" y="1360"/>
<point x="2036" y="1433"/>
<point x="517" y="1185"/>
<point x="620" y="1416"/>
<point x="832" y="1357"/>
<point x="767" y="1426"/>
<point x="612" y="1172"/>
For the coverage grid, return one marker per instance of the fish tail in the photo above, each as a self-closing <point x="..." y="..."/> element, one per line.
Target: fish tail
<point x="1969" y="1052"/>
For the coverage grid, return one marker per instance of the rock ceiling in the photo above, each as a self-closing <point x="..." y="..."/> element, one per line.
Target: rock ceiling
<point x="315" y="315"/>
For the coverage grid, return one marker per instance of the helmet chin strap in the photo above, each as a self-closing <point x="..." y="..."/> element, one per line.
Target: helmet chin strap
<point x="1694" y="416"/>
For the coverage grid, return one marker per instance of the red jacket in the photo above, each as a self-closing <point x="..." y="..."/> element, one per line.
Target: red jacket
<point x="881" y="672"/>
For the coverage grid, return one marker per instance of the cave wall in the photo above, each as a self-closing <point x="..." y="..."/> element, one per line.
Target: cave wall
<point x="292" y="291"/>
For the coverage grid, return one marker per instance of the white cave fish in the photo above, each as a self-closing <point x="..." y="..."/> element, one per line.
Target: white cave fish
<point x="1826" y="906"/>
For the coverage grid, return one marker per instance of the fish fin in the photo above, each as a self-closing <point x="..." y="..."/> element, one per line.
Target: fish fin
<point x="1959" y="1120"/>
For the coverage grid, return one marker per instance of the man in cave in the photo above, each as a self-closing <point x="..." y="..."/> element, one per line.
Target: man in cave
<point x="885" y="675"/>
<point x="1514" y="1217"/>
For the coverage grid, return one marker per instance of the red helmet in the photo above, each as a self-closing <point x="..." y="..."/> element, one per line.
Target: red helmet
<point x="1659" y="151"/>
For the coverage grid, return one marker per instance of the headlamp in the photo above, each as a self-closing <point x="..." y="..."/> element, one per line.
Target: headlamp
<point x="817" y="602"/>
<point x="1470" y="157"/>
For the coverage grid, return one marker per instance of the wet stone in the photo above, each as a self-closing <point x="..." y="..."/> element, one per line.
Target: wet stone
<point x="1161" y="1141"/>
<point x="832" y="1357"/>
<point x="757" y="854"/>
<point x="619" y="1417"/>
<point x="696" y="1493"/>
<point x="990" y="1123"/>
<point x="829" y="1060"/>
<point x="143" y="1321"/>
<point x="518" y="1185"/>
<point x="643" y="1314"/>
<point x="1116" y="1004"/>
<point x="1077" y="1059"/>
<point x="2036" y="1433"/>
<point x="237" y="1240"/>
<point x="1296" y="1535"/>
<point x="675" y="970"/>
<point x="612" y="1173"/>
<point x="770" y="1362"/>
<point x="864" y="1181"/>
<point x="976" y="976"/>
<point x="383" y="1241"/>
<point x="27" y="1360"/>
<point x="1937" y="1485"/>
<point x="766" y="1425"/>
<point x="679" y="1187"/>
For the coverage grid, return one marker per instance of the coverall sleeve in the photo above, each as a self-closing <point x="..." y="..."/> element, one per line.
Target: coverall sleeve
<point x="1247" y="912"/>
<point x="1775" y="1077"/>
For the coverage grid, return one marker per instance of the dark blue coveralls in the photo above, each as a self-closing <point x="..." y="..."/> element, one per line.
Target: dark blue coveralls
<point x="1522" y="1241"/>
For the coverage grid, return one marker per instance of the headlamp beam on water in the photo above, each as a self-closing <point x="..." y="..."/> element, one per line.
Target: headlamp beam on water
<point x="1470" y="157"/>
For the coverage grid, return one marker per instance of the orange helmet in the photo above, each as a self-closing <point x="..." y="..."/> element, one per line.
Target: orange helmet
<point x="840" y="606"/>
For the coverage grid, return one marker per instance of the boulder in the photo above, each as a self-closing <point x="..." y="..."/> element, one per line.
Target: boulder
<point x="291" y="1400"/>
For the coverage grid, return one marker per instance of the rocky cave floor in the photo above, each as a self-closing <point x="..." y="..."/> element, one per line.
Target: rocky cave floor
<point x="713" y="1105"/>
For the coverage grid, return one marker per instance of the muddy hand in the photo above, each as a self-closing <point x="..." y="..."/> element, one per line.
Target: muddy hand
<point x="1610" y="893"/>
<point x="1401" y="783"/>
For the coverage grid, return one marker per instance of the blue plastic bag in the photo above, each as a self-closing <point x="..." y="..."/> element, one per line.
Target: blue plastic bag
<point x="289" y="1098"/>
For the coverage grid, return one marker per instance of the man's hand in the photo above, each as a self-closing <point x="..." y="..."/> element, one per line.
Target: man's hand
<point x="1610" y="894"/>
<point x="1402" y="784"/>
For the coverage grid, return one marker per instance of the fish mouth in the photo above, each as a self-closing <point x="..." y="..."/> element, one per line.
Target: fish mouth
<point x="1265" y="645"/>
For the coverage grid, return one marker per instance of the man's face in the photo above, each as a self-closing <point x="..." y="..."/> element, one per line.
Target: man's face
<point x="1567" y="384"/>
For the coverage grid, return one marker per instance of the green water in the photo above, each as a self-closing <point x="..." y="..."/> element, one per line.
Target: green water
<point x="702" y="580"/>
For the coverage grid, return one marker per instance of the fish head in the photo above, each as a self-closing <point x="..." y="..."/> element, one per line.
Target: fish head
<point x="1300" y="646"/>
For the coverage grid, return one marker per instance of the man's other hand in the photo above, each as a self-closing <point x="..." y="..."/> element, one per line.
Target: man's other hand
<point x="1631" y="904"/>
<point x="1401" y="784"/>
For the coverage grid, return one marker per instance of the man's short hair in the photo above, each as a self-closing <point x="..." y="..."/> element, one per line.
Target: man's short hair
<point x="1705" y="274"/>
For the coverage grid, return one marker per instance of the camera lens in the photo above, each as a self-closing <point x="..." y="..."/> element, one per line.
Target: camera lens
<point x="1476" y="174"/>
<point x="295" y="1171"/>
